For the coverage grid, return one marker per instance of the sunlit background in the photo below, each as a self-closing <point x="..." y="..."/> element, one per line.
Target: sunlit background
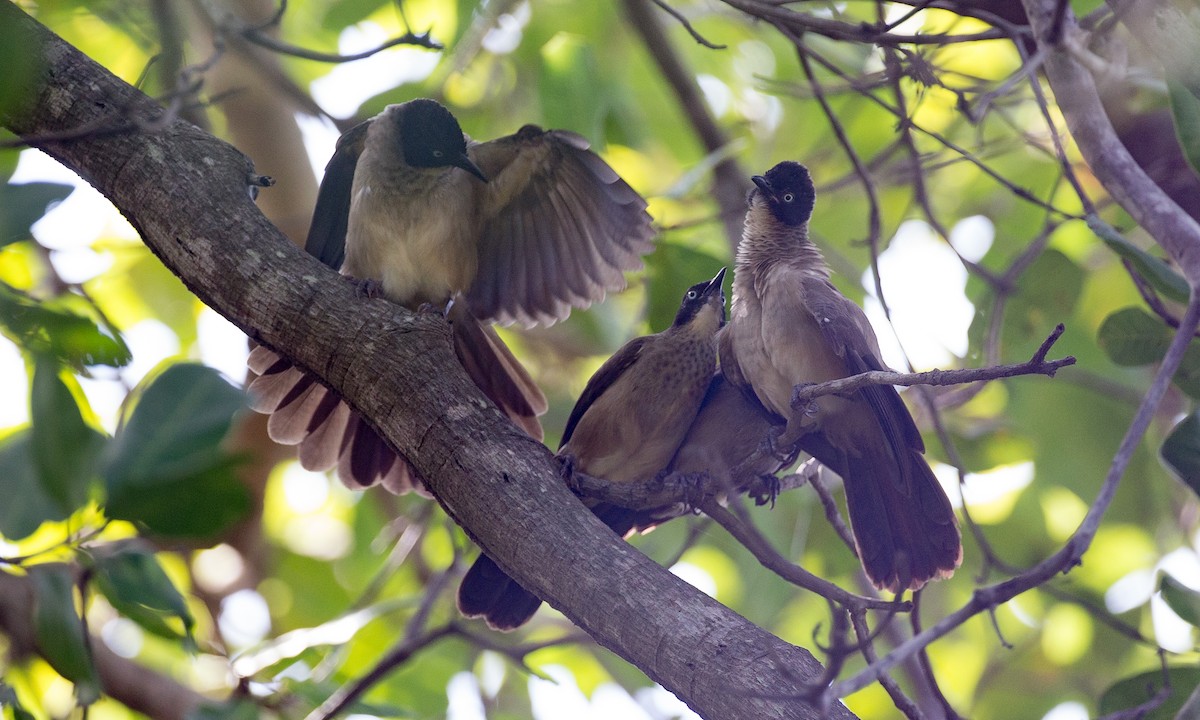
<point x="924" y="283"/>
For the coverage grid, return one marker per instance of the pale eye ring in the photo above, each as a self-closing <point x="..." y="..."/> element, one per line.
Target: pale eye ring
<point x="437" y="153"/>
<point x="692" y="295"/>
<point x="788" y="197"/>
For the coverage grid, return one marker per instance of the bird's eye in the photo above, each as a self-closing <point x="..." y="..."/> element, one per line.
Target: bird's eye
<point x="692" y="295"/>
<point x="437" y="153"/>
<point x="788" y="197"/>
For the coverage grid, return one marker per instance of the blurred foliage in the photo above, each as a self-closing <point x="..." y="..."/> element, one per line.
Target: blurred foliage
<point x="134" y="503"/>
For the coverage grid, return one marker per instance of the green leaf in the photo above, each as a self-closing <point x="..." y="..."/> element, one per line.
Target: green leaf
<point x="65" y="448"/>
<point x="1134" y="691"/>
<point x="23" y="205"/>
<point x="19" y="479"/>
<point x="349" y="12"/>
<point x="1181" y="598"/>
<point x="1187" y="377"/>
<point x="674" y="268"/>
<point x="23" y="60"/>
<point x="229" y="710"/>
<point x="1185" y="110"/>
<point x="9" y="699"/>
<point x="166" y="468"/>
<point x="1048" y="292"/>
<point x="59" y="630"/>
<point x="137" y="587"/>
<point x="56" y="328"/>
<point x="1132" y="337"/>
<point x="1191" y="708"/>
<point x="1155" y="270"/>
<point x="1181" y="451"/>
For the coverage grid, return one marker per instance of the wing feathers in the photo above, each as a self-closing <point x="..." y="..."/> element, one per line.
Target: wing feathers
<point x="560" y="228"/>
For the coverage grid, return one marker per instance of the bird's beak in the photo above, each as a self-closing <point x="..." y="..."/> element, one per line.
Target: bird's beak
<point x="714" y="285"/>
<point x="765" y="186"/>
<point x="469" y="165"/>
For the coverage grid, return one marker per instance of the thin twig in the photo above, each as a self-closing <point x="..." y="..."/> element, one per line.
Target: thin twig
<point x="422" y="40"/>
<point x="770" y="558"/>
<point x="416" y="638"/>
<point x="923" y="660"/>
<point x="1037" y="365"/>
<point x="902" y="702"/>
<point x="868" y="33"/>
<point x="833" y="515"/>
<point x="687" y="25"/>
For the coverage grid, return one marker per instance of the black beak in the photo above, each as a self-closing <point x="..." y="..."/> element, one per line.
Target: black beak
<point x="464" y="162"/>
<point x="714" y="285"/>
<point x="765" y="185"/>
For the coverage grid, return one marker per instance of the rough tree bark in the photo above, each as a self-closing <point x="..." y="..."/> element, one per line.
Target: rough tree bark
<point x="187" y="194"/>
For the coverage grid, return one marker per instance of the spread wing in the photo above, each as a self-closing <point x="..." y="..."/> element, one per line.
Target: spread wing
<point x="327" y="232"/>
<point x="849" y="334"/>
<point x="601" y="380"/>
<point x="559" y="227"/>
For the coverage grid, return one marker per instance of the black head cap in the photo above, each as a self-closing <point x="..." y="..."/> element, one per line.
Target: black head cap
<point x="432" y="137"/>
<point x="701" y="295"/>
<point x="789" y="192"/>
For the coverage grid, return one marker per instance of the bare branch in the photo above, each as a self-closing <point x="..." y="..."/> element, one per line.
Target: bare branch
<point x="687" y="25"/>
<point x="1037" y="365"/>
<point x="415" y="639"/>
<point x="873" y="34"/>
<point x="748" y="535"/>
<point x="423" y="40"/>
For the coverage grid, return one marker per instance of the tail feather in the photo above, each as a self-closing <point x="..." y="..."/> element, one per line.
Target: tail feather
<point x="487" y="591"/>
<point x="904" y="539"/>
<point x="905" y="530"/>
<point x="289" y="424"/>
<point x="320" y="450"/>
<point x="306" y="413"/>
<point x="496" y="371"/>
<point x="490" y="593"/>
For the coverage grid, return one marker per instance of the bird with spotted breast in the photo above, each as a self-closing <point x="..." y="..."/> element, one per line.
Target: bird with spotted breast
<point x="626" y="427"/>
<point x="790" y="326"/>
<point x="520" y="229"/>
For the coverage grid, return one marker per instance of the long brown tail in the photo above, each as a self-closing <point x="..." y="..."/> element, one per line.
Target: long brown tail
<point x="903" y="523"/>
<point x="306" y="413"/>
<point x="488" y="592"/>
<point x="498" y="373"/>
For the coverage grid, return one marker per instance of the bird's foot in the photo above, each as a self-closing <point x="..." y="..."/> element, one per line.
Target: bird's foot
<point x="566" y="471"/>
<point x="428" y="308"/>
<point x="695" y="487"/>
<point x="368" y="288"/>
<point x="778" y="443"/>
<point x="807" y="407"/>
<point x="687" y="491"/>
<point x="764" y="490"/>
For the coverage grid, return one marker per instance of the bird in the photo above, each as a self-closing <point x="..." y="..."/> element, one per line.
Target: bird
<point x="520" y="229"/>
<point x="726" y="442"/>
<point x="626" y="426"/>
<point x="790" y="326"/>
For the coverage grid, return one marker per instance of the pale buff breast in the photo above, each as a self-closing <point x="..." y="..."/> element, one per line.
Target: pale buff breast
<point x="412" y="229"/>
<point x="779" y="345"/>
